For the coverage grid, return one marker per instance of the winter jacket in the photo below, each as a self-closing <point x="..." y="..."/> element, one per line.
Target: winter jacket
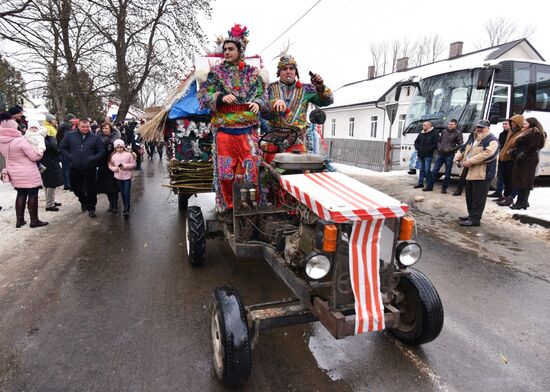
<point x="82" y="153"/>
<point x="426" y="143"/>
<point x="516" y="120"/>
<point x="64" y="128"/>
<point x="449" y="142"/>
<point x="482" y="156"/>
<point x="52" y="177"/>
<point x="21" y="159"/>
<point x="106" y="182"/>
<point x="527" y="148"/>
<point x="50" y="129"/>
<point x="128" y="164"/>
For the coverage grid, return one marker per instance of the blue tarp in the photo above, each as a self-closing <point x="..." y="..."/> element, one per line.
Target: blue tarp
<point x="188" y="105"/>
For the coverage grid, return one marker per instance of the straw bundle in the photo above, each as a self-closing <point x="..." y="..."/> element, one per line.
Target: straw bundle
<point x="191" y="176"/>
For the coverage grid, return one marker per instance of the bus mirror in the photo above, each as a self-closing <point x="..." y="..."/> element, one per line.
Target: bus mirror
<point x="483" y="78"/>
<point x="493" y="119"/>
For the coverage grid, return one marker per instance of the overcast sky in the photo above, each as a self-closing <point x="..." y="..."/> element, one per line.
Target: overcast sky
<point x="333" y="38"/>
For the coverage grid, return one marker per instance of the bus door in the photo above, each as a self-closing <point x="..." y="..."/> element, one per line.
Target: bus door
<point x="499" y="107"/>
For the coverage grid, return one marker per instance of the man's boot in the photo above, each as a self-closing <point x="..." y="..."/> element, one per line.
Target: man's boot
<point x="20" y="201"/>
<point x="32" y="204"/>
<point x="508" y="200"/>
<point x="458" y="191"/>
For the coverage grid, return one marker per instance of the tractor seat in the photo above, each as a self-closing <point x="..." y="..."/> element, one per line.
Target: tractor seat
<point x="300" y="162"/>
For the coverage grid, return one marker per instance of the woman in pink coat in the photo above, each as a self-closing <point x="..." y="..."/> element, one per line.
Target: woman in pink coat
<point x="24" y="176"/>
<point x="122" y="163"/>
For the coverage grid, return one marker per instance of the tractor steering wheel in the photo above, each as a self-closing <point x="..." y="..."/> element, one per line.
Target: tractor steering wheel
<point x="279" y="139"/>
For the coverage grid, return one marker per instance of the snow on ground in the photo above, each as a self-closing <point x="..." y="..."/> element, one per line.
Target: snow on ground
<point x="539" y="199"/>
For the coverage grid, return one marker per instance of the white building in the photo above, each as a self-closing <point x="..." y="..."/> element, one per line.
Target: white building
<point x="367" y="109"/>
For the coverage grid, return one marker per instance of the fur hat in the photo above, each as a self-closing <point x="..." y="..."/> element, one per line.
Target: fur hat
<point x="285" y="60"/>
<point x="238" y="35"/>
<point x="518" y="119"/>
<point x="118" y="143"/>
<point x="33" y="123"/>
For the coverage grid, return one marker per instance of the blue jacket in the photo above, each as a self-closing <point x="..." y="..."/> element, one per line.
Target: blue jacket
<point x="82" y="152"/>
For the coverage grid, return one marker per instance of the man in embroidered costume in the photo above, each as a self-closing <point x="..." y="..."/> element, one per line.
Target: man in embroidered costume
<point x="289" y="99"/>
<point x="235" y="92"/>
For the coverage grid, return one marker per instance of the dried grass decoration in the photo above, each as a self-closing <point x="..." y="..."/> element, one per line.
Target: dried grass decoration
<point x="191" y="176"/>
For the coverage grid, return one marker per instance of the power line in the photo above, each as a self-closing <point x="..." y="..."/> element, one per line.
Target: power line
<point x="291" y="26"/>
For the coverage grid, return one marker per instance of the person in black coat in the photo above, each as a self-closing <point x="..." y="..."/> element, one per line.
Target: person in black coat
<point x="84" y="151"/>
<point x="106" y="182"/>
<point x="64" y="128"/>
<point x="425" y="145"/>
<point x="52" y="177"/>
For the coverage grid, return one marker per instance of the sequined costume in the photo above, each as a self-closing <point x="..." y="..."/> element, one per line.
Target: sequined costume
<point x="234" y="125"/>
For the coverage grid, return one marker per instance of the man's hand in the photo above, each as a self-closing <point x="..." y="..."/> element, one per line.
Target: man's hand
<point x="229" y="98"/>
<point x="317" y="81"/>
<point x="467" y="164"/>
<point x="279" y="105"/>
<point x="254" y="107"/>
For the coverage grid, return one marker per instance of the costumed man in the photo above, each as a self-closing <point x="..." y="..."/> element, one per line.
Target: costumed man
<point x="289" y="99"/>
<point x="235" y="92"/>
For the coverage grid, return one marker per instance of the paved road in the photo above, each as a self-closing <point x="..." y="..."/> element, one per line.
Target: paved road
<point x="108" y="305"/>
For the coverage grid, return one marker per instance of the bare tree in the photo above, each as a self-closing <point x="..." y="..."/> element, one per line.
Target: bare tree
<point x="13" y="7"/>
<point x="499" y="30"/>
<point x="147" y="35"/>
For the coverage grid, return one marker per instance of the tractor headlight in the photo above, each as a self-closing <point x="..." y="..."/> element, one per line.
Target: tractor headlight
<point x="317" y="266"/>
<point x="408" y="253"/>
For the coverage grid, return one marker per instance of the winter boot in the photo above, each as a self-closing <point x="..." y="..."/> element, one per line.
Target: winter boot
<point x="115" y="204"/>
<point x="32" y="204"/>
<point x="20" y="210"/>
<point x="458" y="191"/>
<point x="508" y="200"/>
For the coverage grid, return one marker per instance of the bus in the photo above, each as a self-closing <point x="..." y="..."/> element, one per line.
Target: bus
<point x="494" y="90"/>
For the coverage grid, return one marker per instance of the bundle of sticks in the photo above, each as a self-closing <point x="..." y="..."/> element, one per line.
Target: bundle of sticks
<point x="191" y="176"/>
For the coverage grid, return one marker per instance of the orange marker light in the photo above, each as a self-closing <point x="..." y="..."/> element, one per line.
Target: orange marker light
<point x="407" y="226"/>
<point x="330" y="237"/>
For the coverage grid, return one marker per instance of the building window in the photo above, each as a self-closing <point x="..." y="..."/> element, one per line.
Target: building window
<point x="373" y="126"/>
<point x="401" y="123"/>
<point x="351" y="126"/>
<point x="333" y="127"/>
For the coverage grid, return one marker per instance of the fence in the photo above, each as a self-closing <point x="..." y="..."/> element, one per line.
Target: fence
<point x="368" y="154"/>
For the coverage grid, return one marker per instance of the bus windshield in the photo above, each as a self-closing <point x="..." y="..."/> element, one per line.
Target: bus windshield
<point x="444" y="97"/>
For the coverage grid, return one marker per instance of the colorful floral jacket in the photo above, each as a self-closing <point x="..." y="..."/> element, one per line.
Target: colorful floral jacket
<point x="296" y="96"/>
<point x="245" y="83"/>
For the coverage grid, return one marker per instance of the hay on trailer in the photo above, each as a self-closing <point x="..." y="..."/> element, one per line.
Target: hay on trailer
<point x="191" y="176"/>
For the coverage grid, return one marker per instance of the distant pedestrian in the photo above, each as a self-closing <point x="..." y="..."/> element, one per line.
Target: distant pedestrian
<point x="106" y="182"/>
<point x="52" y="177"/>
<point x="84" y="151"/>
<point x="64" y="128"/>
<point x="425" y="145"/>
<point x="527" y="147"/>
<point x="506" y="160"/>
<point x="24" y="176"/>
<point x="51" y="125"/>
<point x="122" y="163"/>
<point x="137" y="146"/>
<point x="500" y="172"/>
<point x="449" y="142"/>
<point x="479" y="157"/>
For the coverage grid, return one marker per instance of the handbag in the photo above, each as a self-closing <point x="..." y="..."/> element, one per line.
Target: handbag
<point x="4" y="175"/>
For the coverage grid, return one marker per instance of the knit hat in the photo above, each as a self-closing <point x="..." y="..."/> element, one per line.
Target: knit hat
<point x="33" y="123"/>
<point x="518" y="119"/>
<point x="50" y="117"/>
<point x="238" y="35"/>
<point x="70" y="117"/>
<point x="285" y="60"/>
<point x="16" y="109"/>
<point x="118" y="143"/>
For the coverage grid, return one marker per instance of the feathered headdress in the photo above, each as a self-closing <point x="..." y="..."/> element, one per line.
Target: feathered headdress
<point x="238" y="35"/>
<point x="286" y="59"/>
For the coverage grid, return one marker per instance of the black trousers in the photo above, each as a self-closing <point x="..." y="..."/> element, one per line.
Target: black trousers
<point x="83" y="184"/>
<point x="476" y="197"/>
<point x="507" y="168"/>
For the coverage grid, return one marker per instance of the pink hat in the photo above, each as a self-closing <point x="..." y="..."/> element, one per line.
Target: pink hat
<point x="118" y="143"/>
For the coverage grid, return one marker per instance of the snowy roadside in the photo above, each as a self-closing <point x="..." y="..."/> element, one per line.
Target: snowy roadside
<point x="539" y="198"/>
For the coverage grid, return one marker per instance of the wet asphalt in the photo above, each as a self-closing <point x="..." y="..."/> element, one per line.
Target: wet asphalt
<point x="113" y="305"/>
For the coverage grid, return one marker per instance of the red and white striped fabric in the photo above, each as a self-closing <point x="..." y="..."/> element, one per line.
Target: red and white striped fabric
<point x="339" y="198"/>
